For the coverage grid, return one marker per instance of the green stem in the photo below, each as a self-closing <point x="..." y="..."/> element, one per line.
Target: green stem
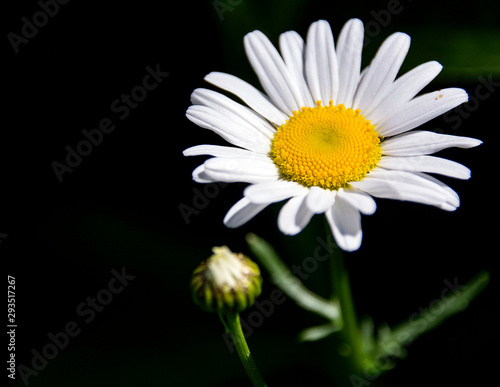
<point x="350" y="333"/>
<point x="233" y="324"/>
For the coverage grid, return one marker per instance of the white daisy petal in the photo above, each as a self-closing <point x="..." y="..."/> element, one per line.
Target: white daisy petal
<point x="405" y="186"/>
<point x="292" y="50"/>
<point x="359" y="200"/>
<point x="419" y="110"/>
<point x="377" y="81"/>
<point x="221" y="151"/>
<point x="199" y="175"/>
<point x="321" y="63"/>
<point x="421" y="142"/>
<point x="320" y="200"/>
<point x="363" y="73"/>
<point x="272" y="192"/>
<point x="345" y="223"/>
<point x="237" y="113"/>
<point x="272" y="72"/>
<point x="298" y="77"/>
<point x="404" y="89"/>
<point x="248" y="94"/>
<point x="241" y="212"/>
<point x="452" y="198"/>
<point x="245" y="170"/>
<point x="349" y="47"/>
<point x="430" y="164"/>
<point x="294" y="216"/>
<point x="241" y="136"/>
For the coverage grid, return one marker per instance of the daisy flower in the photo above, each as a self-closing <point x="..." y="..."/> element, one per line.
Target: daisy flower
<point x="325" y="135"/>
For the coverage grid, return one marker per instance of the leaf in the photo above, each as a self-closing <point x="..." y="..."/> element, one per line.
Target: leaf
<point x="391" y="342"/>
<point x="319" y="332"/>
<point x="290" y="284"/>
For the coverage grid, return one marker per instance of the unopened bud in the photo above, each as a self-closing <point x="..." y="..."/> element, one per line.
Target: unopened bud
<point x="226" y="282"/>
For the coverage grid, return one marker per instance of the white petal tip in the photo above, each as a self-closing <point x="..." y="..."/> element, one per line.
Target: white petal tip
<point x="436" y="63"/>
<point x="402" y="35"/>
<point x="449" y="207"/>
<point x="212" y="76"/>
<point x="465" y="175"/>
<point x="321" y="21"/>
<point x="229" y="224"/>
<point x="469" y="142"/>
<point x="290" y="232"/>
<point x="354" y="20"/>
<point x="349" y="245"/>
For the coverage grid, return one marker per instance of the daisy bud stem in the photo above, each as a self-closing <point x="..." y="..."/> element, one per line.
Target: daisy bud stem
<point x="232" y="323"/>
<point x="228" y="283"/>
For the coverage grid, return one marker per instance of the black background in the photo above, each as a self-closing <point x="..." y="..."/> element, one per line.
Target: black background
<point x="119" y="208"/>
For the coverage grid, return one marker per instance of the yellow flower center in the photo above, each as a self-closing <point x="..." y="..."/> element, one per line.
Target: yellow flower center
<point x="326" y="146"/>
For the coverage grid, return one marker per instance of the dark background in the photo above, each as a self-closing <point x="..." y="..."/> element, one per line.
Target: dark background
<point x="119" y="208"/>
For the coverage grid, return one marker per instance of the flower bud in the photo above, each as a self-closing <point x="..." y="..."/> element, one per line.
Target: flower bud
<point x="226" y="282"/>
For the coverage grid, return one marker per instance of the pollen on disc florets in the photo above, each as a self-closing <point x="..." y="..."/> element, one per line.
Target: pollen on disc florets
<point x="326" y="146"/>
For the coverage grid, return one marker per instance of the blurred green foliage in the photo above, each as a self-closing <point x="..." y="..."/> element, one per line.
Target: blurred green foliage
<point x="466" y="53"/>
<point x="466" y="50"/>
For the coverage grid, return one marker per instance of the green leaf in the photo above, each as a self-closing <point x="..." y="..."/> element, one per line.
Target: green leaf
<point x="319" y="332"/>
<point x="282" y="277"/>
<point x="391" y="342"/>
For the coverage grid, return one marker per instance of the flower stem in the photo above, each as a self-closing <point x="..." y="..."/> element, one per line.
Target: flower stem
<point x="232" y="323"/>
<point x="350" y="335"/>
